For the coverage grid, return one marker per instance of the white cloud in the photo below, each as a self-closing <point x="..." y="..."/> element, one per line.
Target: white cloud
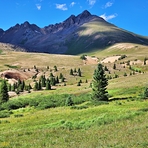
<point x="61" y="7"/>
<point x="38" y="6"/>
<point x="108" y="4"/>
<point x="91" y="2"/>
<point x="72" y="4"/>
<point x="109" y="17"/>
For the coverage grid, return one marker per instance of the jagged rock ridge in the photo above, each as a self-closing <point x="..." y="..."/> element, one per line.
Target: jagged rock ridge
<point x="75" y="35"/>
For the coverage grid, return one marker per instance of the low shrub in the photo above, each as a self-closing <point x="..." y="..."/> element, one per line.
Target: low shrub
<point x="5" y="113"/>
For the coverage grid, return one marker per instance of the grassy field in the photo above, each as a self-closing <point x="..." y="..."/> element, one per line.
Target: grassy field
<point x="118" y="124"/>
<point x="121" y="123"/>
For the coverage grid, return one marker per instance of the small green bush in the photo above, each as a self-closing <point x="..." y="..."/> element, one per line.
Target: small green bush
<point x="5" y="114"/>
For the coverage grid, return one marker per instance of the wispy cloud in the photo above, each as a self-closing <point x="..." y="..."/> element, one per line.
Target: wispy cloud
<point x="91" y="2"/>
<point x="61" y="7"/>
<point x="109" y="17"/>
<point x="72" y="4"/>
<point x="108" y="4"/>
<point x="38" y="6"/>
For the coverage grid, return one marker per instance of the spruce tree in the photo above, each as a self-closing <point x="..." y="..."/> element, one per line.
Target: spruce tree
<point x="4" y="96"/>
<point x="71" y="72"/>
<point x="35" y="86"/>
<point x="48" y="86"/>
<point x="39" y="85"/>
<point x="99" y="84"/>
<point x="57" y="79"/>
<point x="55" y="68"/>
<point x="79" y="72"/>
<point x="114" y="66"/>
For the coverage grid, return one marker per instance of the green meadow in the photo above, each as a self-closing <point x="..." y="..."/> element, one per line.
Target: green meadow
<point x="41" y="119"/>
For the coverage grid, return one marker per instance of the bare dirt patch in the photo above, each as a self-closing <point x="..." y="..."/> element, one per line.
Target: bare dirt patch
<point x="90" y="60"/>
<point x="14" y="75"/>
<point x="110" y="59"/>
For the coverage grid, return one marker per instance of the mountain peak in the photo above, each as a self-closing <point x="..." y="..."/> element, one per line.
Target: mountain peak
<point x="26" y="24"/>
<point x="84" y="14"/>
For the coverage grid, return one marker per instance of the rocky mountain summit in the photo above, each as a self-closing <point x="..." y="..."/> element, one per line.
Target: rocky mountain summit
<point x="75" y="35"/>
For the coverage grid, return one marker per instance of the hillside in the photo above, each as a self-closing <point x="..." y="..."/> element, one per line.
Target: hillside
<point x="76" y="35"/>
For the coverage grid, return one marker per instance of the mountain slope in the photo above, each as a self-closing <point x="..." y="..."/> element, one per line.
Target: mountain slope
<point x="77" y="34"/>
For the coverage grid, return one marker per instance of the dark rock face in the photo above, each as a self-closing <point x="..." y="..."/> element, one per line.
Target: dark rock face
<point x="62" y="37"/>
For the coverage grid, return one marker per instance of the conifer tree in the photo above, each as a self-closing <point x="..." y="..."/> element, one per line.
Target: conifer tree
<point x="71" y="72"/>
<point x="55" y="68"/>
<point x="48" y="86"/>
<point x="61" y="76"/>
<point x="114" y="66"/>
<point x="99" y="84"/>
<point x="75" y="70"/>
<point x="79" y="72"/>
<point x="4" y="96"/>
<point x="35" y="86"/>
<point x="39" y="85"/>
<point x="57" y="79"/>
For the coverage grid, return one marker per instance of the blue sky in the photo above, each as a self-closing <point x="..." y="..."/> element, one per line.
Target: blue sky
<point x="131" y="15"/>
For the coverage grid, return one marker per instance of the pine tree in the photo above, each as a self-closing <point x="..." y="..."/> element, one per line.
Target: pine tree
<point x="99" y="84"/>
<point x="39" y="85"/>
<point x="61" y="76"/>
<point x="55" y="68"/>
<point x="114" y="66"/>
<point x="9" y="87"/>
<point x="79" y="72"/>
<point x="4" y="96"/>
<point x="35" y="86"/>
<point x="43" y="80"/>
<point x="71" y="72"/>
<point x="57" y="79"/>
<point x="75" y="70"/>
<point x="79" y="84"/>
<point x="48" y="86"/>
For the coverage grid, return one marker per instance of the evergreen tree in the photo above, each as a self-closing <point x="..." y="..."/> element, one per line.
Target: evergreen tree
<point x="63" y="79"/>
<point x="13" y="87"/>
<point x="86" y="81"/>
<point x="23" y="84"/>
<point x="114" y="66"/>
<point x="39" y="85"/>
<point x="29" y="86"/>
<point x="105" y="68"/>
<point x="79" y="72"/>
<point x="43" y="81"/>
<point x="57" y="79"/>
<point x="4" y="96"/>
<point x="55" y="68"/>
<point x="48" y="86"/>
<point x="35" y="86"/>
<point x="79" y="84"/>
<point x="145" y="59"/>
<point x="71" y="72"/>
<point x="61" y="76"/>
<point x="75" y="70"/>
<point x="9" y="87"/>
<point x="52" y="81"/>
<point x="51" y="74"/>
<point x="47" y="67"/>
<point x="99" y="84"/>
